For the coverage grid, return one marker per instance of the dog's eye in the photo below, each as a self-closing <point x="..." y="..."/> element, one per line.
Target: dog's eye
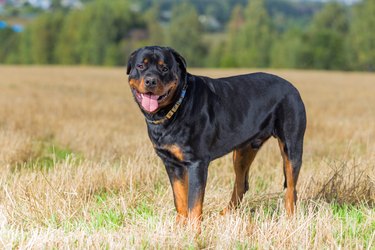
<point x="140" y="66"/>
<point x="164" y="69"/>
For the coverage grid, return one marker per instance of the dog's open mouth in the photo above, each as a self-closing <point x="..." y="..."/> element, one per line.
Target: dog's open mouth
<point x="149" y="101"/>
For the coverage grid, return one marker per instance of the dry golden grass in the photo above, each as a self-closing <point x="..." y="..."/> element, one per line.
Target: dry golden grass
<point x="78" y="171"/>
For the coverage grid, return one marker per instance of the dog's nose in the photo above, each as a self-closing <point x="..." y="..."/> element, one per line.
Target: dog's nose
<point x="150" y="81"/>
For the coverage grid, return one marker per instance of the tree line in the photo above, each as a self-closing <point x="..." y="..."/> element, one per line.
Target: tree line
<point x="338" y="37"/>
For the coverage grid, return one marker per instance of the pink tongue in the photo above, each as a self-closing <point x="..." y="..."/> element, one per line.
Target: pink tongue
<point x="150" y="102"/>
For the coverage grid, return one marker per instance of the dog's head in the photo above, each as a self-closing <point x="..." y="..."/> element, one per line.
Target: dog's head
<point x="155" y="76"/>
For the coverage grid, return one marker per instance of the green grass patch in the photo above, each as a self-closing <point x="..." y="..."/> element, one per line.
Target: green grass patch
<point x="242" y="245"/>
<point x="101" y="217"/>
<point x="52" y="154"/>
<point x="356" y="222"/>
<point x="47" y="155"/>
<point x="261" y="185"/>
<point x="142" y="211"/>
<point x="108" y="219"/>
<point x="101" y="197"/>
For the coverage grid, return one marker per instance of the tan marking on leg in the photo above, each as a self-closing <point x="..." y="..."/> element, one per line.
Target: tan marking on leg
<point x="290" y="195"/>
<point x="196" y="212"/>
<point x="180" y="193"/>
<point x="290" y="192"/>
<point x="176" y="151"/>
<point x="195" y="215"/>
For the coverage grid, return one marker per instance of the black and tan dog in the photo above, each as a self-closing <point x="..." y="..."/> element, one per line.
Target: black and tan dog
<point x="193" y="120"/>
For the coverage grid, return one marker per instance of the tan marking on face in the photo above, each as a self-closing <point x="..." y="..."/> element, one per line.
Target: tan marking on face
<point x="160" y="89"/>
<point x="161" y="62"/>
<point x="138" y="84"/>
<point x="176" y="151"/>
<point x="145" y="60"/>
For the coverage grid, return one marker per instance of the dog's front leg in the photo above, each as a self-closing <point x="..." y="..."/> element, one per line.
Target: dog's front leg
<point x="188" y="185"/>
<point x="178" y="176"/>
<point x="197" y="184"/>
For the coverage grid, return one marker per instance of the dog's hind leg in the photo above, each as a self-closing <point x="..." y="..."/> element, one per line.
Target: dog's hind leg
<point x="242" y="159"/>
<point x="291" y="169"/>
<point x="290" y="130"/>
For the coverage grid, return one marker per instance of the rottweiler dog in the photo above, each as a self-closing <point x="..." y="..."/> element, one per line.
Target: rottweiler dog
<point x="192" y="120"/>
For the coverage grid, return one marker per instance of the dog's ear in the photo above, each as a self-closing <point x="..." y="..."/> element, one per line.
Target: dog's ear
<point x="131" y="57"/>
<point x="180" y="60"/>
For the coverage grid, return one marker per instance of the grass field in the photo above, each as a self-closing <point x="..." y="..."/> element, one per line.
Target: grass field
<point x="78" y="171"/>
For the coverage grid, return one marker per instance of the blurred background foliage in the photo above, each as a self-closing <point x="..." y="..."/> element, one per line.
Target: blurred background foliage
<point x="220" y="33"/>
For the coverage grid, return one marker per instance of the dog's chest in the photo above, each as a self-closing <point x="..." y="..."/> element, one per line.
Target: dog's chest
<point x="177" y="142"/>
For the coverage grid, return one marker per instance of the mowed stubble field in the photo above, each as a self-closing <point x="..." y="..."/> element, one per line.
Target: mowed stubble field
<point x="78" y="171"/>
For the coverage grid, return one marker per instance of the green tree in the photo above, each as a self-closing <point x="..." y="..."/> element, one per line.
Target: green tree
<point x="37" y="43"/>
<point x="67" y="48"/>
<point x="230" y="50"/>
<point x="95" y="35"/>
<point x="249" y="43"/>
<point x="185" y="34"/>
<point x="154" y="29"/>
<point x="44" y="36"/>
<point x="254" y="39"/>
<point x="362" y="36"/>
<point x="95" y="32"/>
<point x="8" y="41"/>
<point x="285" y="52"/>
<point x="55" y="5"/>
<point x="325" y="41"/>
<point x="215" y="54"/>
<point x="25" y="47"/>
